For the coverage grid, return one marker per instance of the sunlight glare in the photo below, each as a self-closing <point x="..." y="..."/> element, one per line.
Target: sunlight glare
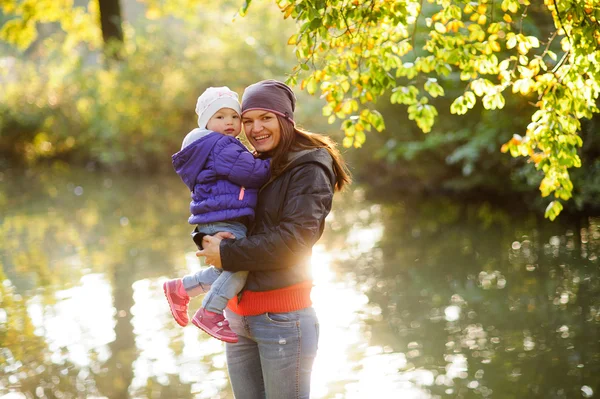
<point x="166" y="348"/>
<point x="82" y="319"/>
<point x="344" y="337"/>
<point x="361" y="240"/>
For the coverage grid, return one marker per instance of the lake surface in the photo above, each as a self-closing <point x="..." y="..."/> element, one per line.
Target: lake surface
<point x="435" y="300"/>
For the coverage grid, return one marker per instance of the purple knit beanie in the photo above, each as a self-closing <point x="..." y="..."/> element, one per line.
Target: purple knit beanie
<point x="270" y="95"/>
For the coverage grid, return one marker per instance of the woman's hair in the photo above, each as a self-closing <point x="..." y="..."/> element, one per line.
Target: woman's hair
<point x="295" y="139"/>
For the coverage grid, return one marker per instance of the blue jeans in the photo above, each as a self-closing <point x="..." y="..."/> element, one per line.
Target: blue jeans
<point x="274" y="355"/>
<point x="220" y="286"/>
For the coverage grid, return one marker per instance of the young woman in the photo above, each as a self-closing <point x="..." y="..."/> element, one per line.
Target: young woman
<point x="273" y="317"/>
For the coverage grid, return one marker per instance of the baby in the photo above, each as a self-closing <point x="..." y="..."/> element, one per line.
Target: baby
<point x="224" y="179"/>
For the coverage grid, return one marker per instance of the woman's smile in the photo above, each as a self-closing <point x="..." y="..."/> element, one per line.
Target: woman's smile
<point x="262" y="129"/>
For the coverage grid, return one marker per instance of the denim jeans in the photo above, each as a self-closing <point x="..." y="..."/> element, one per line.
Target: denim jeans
<point x="274" y="356"/>
<point x="220" y="286"/>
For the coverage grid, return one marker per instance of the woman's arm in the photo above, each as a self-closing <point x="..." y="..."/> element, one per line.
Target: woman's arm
<point x="306" y="205"/>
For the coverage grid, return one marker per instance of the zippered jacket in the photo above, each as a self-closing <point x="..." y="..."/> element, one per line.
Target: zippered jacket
<point x="223" y="178"/>
<point x="290" y="217"/>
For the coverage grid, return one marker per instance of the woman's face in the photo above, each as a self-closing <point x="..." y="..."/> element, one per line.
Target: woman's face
<point x="262" y="129"/>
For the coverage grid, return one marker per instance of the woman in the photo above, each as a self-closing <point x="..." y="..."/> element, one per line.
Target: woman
<point x="273" y="316"/>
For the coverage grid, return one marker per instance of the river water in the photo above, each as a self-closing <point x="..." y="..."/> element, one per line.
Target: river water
<point x="427" y="300"/>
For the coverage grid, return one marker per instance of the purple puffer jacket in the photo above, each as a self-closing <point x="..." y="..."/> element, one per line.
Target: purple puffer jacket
<point x="223" y="176"/>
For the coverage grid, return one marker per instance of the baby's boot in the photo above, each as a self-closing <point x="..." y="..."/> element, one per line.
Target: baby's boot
<point x="215" y="325"/>
<point x="178" y="300"/>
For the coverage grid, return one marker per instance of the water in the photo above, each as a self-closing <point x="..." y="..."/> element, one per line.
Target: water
<point x="435" y="300"/>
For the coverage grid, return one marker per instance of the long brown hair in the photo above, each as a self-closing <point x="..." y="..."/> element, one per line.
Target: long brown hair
<point x="295" y="139"/>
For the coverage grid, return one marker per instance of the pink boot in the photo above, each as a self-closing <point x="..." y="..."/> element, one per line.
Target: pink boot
<point x="215" y="325"/>
<point x="178" y="301"/>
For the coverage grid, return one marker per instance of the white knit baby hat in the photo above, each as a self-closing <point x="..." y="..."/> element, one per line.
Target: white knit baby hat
<point x="212" y="100"/>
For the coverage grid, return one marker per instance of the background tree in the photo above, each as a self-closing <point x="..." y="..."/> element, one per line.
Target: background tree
<point x="22" y="20"/>
<point x="111" y="24"/>
<point x="59" y="103"/>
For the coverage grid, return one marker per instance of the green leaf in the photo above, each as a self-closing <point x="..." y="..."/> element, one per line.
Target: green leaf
<point x="458" y="106"/>
<point x="553" y="209"/>
<point x="433" y="88"/>
<point x="244" y="9"/>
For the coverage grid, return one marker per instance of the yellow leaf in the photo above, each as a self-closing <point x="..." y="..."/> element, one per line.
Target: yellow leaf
<point x="347" y="107"/>
<point x="311" y="86"/>
<point x="523" y="60"/>
<point x="526" y="87"/>
<point x="526" y="73"/>
<point x="288" y="11"/>
<point x="507" y="18"/>
<point x="455" y="25"/>
<point x="533" y="41"/>
<point x="536" y="158"/>
<point x="522" y="48"/>
<point x="293" y="39"/>
<point x="517" y="86"/>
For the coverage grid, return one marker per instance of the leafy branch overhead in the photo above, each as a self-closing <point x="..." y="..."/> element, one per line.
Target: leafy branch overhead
<point x="356" y="51"/>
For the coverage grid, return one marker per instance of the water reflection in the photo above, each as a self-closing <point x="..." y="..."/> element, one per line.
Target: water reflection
<point x="81" y="320"/>
<point x="501" y="309"/>
<point x="415" y="301"/>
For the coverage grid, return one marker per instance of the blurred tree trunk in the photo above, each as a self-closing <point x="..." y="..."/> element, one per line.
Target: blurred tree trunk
<point x="112" y="30"/>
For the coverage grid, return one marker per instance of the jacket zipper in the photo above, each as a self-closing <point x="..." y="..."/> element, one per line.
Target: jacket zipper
<point x="242" y="192"/>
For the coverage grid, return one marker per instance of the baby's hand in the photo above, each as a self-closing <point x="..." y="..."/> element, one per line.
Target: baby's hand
<point x="225" y="234"/>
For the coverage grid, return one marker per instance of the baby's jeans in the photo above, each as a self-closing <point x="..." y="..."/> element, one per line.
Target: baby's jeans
<point x="219" y="285"/>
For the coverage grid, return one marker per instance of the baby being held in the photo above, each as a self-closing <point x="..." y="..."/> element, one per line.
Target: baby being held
<point x="223" y="178"/>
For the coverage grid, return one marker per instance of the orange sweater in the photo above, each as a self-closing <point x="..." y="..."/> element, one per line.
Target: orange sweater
<point x="282" y="300"/>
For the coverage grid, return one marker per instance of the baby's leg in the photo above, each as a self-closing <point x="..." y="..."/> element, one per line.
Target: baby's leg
<point x="200" y="282"/>
<point x="223" y="289"/>
<point x="209" y="317"/>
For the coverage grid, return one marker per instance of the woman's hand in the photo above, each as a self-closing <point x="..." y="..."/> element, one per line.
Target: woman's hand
<point x="211" y="248"/>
